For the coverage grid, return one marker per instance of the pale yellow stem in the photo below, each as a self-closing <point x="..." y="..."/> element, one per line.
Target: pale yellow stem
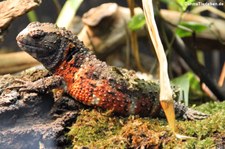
<point x="165" y="97"/>
<point x="165" y="89"/>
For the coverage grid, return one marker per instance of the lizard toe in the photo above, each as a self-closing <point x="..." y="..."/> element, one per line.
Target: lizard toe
<point x="191" y="114"/>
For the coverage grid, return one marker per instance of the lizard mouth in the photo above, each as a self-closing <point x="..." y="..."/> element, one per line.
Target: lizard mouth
<point x="26" y="43"/>
<point x="30" y="49"/>
<point x="20" y="44"/>
<point x="25" y="46"/>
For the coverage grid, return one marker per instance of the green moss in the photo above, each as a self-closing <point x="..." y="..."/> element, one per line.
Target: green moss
<point x="92" y="129"/>
<point x="212" y="107"/>
<point x="101" y="130"/>
<point x="206" y="132"/>
<point x="204" y="128"/>
<point x="200" y="144"/>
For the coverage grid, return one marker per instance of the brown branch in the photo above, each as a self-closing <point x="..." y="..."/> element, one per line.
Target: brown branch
<point x="106" y="27"/>
<point x="11" y="9"/>
<point x="197" y="68"/>
<point x="15" y="62"/>
<point x="222" y="76"/>
<point x="216" y="29"/>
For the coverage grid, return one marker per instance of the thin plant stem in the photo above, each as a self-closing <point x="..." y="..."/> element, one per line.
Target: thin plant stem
<point x="134" y="42"/>
<point x="57" y="5"/>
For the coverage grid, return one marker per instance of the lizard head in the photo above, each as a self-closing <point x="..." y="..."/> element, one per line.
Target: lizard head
<point x="46" y="42"/>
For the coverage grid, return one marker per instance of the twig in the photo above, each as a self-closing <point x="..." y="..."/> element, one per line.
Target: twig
<point x="127" y="53"/>
<point x="209" y="92"/>
<point x="215" y="31"/>
<point x="57" y="5"/>
<point x="222" y="76"/>
<point x="198" y="69"/>
<point x="134" y="43"/>
<point x="208" y="8"/>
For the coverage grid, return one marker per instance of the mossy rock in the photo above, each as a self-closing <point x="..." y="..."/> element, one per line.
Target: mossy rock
<point x="94" y="129"/>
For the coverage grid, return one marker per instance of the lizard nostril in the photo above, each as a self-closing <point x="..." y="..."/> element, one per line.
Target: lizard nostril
<point x="18" y="37"/>
<point x="22" y="34"/>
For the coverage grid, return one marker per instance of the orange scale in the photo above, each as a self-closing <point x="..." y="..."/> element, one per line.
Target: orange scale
<point x="76" y="87"/>
<point x="79" y="94"/>
<point x="77" y="91"/>
<point x="108" y="89"/>
<point x="122" y="98"/>
<point x="95" y="89"/>
<point x="100" y="104"/>
<point x="82" y="99"/>
<point x="105" y="100"/>
<point x="88" y="92"/>
<point x="88" y="96"/>
<point x="112" y="98"/>
<point x="85" y="95"/>
<point x="89" y="99"/>
<point x="73" y="93"/>
<point x="101" y="91"/>
<point x="72" y="89"/>
<point x="118" y="99"/>
<point x="102" y="100"/>
<point x="88" y="89"/>
<point x="115" y="106"/>
<point x="85" y="85"/>
<point x="104" y="95"/>
<point x="97" y="93"/>
<point x="86" y="100"/>
<point x="83" y="91"/>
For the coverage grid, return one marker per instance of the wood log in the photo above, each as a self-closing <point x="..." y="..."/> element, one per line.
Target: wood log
<point x="32" y="120"/>
<point x="15" y="62"/>
<point x="11" y="9"/>
<point x="216" y="29"/>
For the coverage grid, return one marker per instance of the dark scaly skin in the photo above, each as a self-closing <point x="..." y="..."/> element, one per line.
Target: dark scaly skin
<point x="90" y="80"/>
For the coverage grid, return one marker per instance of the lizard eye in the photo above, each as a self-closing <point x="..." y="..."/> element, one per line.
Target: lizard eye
<point x="37" y="34"/>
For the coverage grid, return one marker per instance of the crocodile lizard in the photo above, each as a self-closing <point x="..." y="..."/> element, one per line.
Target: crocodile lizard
<point x="89" y="80"/>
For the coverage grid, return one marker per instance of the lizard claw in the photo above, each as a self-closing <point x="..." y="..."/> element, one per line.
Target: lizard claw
<point x="42" y="85"/>
<point x="17" y="86"/>
<point x="24" y="86"/>
<point x="194" y="115"/>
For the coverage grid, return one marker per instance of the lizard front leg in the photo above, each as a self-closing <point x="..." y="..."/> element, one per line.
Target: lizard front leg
<point x="42" y="85"/>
